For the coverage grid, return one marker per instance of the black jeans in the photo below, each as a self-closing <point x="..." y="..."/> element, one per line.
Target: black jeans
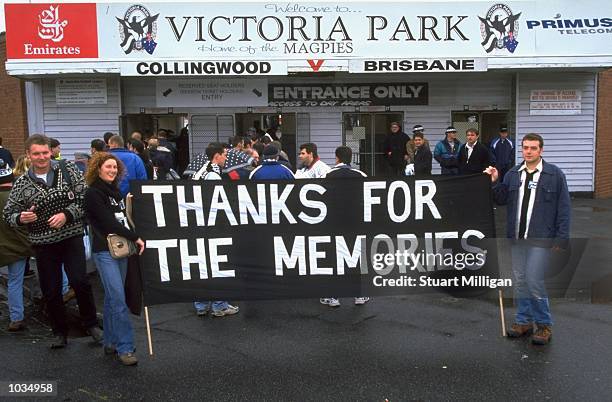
<point x="49" y="260"/>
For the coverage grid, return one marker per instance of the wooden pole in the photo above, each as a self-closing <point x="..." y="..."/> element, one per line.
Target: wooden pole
<point x="501" y="312"/>
<point x="146" y="310"/>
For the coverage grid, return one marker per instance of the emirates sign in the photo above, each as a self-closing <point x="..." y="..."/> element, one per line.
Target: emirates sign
<point x="48" y="31"/>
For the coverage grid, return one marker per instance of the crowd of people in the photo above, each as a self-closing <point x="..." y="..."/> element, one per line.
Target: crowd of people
<point x="412" y="156"/>
<point x="48" y="202"/>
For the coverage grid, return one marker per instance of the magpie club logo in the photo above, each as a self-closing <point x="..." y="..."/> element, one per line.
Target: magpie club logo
<point x="138" y="30"/>
<point x="499" y="29"/>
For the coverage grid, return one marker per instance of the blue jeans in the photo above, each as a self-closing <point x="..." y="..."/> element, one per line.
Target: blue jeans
<point x="216" y="305"/>
<point x="118" y="330"/>
<point x="15" y="289"/>
<point x="529" y="266"/>
<point x="65" y="284"/>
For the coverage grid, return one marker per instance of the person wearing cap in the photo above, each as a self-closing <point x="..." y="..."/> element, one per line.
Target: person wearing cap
<point x="473" y="156"/>
<point x="283" y="158"/>
<point x="422" y="155"/>
<point x="271" y="168"/>
<point x="6" y="155"/>
<point x="502" y="152"/>
<point x="395" y="150"/>
<point x="411" y="148"/>
<point x="14" y="251"/>
<point x="81" y="159"/>
<point x="447" y="152"/>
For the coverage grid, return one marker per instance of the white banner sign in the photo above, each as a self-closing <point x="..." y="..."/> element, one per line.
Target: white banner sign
<point x="80" y="91"/>
<point x="211" y="92"/>
<point x="313" y="31"/>
<point x="160" y="37"/>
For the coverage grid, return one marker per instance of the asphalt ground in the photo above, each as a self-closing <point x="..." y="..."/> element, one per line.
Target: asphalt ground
<point x="409" y="348"/>
<point x="425" y="347"/>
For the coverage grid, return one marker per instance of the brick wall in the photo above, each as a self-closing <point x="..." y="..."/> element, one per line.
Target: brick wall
<point x="603" y="156"/>
<point x="13" y="112"/>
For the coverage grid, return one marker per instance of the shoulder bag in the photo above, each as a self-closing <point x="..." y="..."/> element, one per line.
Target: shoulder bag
<point x="120" y="247"/>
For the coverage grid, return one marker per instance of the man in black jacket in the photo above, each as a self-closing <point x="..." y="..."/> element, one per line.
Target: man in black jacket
<point x="473" y="156"/>
<point x="343" y="169"/>
<point x="343" y="165"/>
<point x="422" y="156"/>
<point x="395" y="150"/>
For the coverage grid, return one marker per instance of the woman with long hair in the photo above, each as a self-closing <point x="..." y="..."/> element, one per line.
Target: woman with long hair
<point x="21" y="166"/>
<point x="106" y="214"/>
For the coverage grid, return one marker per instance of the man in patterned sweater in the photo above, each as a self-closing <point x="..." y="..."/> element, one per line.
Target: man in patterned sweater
<point x="48" y="201"/>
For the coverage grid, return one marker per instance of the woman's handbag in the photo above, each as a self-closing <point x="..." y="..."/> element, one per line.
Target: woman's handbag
<point x="120" y="247"/>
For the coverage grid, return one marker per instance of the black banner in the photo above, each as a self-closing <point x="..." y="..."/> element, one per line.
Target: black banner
<point x="212" y="240"/>
<point x="350" y="94"/>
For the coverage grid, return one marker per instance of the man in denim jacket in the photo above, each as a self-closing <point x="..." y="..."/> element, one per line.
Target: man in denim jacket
<point x="539" y="212"/>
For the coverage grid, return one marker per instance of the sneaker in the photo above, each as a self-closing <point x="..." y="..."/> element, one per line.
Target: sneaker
<point x="128" y="359"/>
<point x="96" y="334"/>
<point x="15" y="326"/>
<point x="518" y="330"/>
<point x="229" y="310"/>
<point x="109" y="350"/>
<point x="59" y="342"/>
<point x="201" y="312"/>
<point x="361" y="300"/>
<point x="69" y="295"/>
<point x="542" y="335"/>
<point x="331" y="302"/>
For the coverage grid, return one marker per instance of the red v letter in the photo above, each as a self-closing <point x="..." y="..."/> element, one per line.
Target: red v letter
<point x="315" y="64"/>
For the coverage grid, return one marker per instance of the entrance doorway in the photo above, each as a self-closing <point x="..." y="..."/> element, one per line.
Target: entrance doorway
<point x="150" y="124"/>
<point x="486" y="122"/>
<point x="284" y="125"/>
<point x="365" y="134"/>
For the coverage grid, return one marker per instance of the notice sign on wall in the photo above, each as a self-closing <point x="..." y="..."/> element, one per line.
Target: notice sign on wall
<point x="353" y="94"/>
<point x="80" y="91"/>
<point x="555" y="102"/>
<point x="211" y="92"/>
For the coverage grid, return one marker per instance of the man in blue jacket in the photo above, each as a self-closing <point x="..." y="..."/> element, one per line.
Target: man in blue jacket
<point x="447" y="152"/>
<point x="539" y="210"/>
<point x="502" y="152"/>
<point x="271" y="168"/>
<point x="134" y="168"/>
